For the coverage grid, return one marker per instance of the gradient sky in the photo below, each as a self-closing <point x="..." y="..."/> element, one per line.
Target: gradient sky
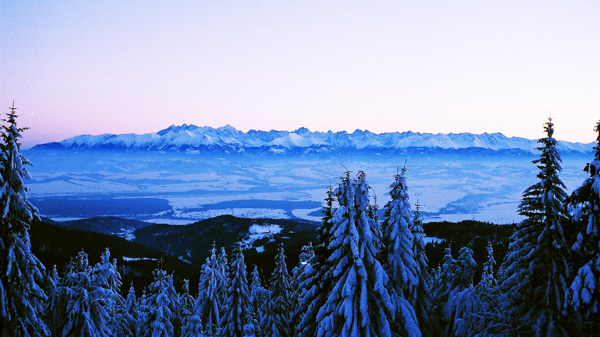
<point x="92" y="67"/>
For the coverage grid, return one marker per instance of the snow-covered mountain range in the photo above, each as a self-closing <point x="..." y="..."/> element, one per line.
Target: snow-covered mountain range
<point x="191" y="137"/>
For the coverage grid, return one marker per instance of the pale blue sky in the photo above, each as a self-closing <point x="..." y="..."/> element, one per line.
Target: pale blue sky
<point x="77" y="67"/>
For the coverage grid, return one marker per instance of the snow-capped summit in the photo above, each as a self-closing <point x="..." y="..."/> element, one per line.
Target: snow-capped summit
<point x="191" y="137"/>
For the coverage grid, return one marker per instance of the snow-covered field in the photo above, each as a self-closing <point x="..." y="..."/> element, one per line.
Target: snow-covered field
<point x="180" y="188"/>
<point x="129" y="259"/>
<point x="258" y="232"/>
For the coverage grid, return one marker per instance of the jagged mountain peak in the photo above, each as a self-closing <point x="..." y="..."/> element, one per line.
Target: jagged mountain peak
<point x="228" y="138"/>
<point x="177" y="128"/>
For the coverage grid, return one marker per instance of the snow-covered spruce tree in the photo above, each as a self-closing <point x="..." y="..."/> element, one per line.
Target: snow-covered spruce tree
<point x="54" y="277"/>
<point x="223" y="265"/>
<point x="307" y="253"/>
<point x="238" y="313"/>
<point x="51" y="281"/>
<point x="420" y="293"/>
<point x="534" y="273"/>
<point x="279" y="305"/>
<point x="584" y="294"/>
<point x="78" y="306"/>
<point x="462" y="300"/>
<point x="131" y="308"/>
<point x="441" y="282"/>
<point x="186" y="300"/>
<point x="162" y="306"/>
<point x="143" y="315"/>
<point x="376" y="229"/>
<point x="398" y="258"/>
<point x="191" y="322"/>
<point x="21" y="273"/>
<point x="259" y="296"/>
<point x="192" y="327"/>
<point x="315" y="281"/>
<point x="209" y="301"/>
<point x="464" y="270"/>
<point x="106" y="275"/>
<point x="485" y="316"/>
<point x="488" y="280"/>
<point x="55" y="312"/>
<point x="359" y="303"/>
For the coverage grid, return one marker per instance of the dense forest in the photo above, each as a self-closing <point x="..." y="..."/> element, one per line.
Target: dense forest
<point x="364" y="275"/>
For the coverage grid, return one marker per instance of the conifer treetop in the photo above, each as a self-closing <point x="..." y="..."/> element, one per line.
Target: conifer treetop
<point x="17" y="211"/>
<point x="597" y="147"/>
<point x="21" y="273"/>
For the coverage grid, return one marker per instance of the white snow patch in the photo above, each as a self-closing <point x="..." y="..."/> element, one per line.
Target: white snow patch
<point x="252" y="213"/>
<point x="58" y="219"/>
<point x="170" y="221"/>
<point x="129" y="259"/>
<point x="264" y="229"/>
<point x="304" y="214"/>
<point x="184" y="260"/>
<point x="260" y="231"/>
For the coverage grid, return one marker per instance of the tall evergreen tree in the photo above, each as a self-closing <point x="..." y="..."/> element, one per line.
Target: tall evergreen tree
<point x="223" y="265"/>
<point x="584" y="293"/>
<point x="279" y="307"/>
<point x="191" y="322"/>
<point x="464" y="270"/>
<point x="482" y="314"/>
<point x="488" y="280"/>
<point x="535" y="270"/>
<point x="54" y="277"/>
<point x="315" y="281"/>
<point x="398" y="257"/>
<point x="186" y="300"/>
<point x="209" y="302"/>
<point x="79" y="305"/>
<point x="192" y="327"/>
<point x="51" y="280"/>
<point x="420" y="292"/>
<point x="259" y="296"/>
<point x="443" y="277"/>
<point x="461" y="296"/>
<point x="106" y="276"/>
<point x="307" y="253"/>
<point x="238" y="313"/>
<point x="21" y="273"/>
<point x="376" y="230"/>
<point x="162" y="306"/>
<point x="131" y="308"/>
<point x="359" y="303"/>
<point x="143" y="315"/>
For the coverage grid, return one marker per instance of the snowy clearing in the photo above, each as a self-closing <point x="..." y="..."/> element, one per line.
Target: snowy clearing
<point x="257" y="232"/>
<point x="129" y="259"/>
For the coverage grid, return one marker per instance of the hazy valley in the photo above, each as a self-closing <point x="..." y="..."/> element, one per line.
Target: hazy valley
<point x="183" y="174"/>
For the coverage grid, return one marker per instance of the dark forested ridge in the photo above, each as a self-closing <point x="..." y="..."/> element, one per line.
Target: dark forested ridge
<point x="193" y="241"/>
<point x="106" y="225"/>
<point x="56" y="243"/>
